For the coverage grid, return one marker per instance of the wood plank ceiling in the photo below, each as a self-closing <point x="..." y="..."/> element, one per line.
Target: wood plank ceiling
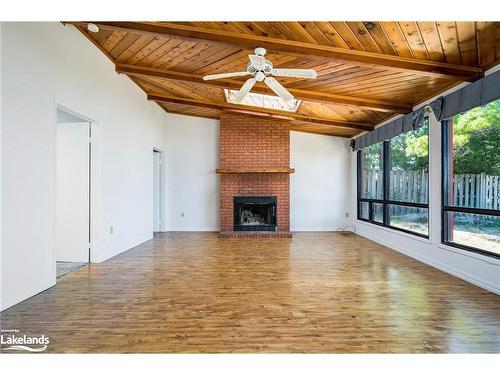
<point x="367" y="71"/>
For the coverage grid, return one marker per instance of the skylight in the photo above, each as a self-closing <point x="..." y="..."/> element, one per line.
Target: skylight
<point x="264" y="101"/>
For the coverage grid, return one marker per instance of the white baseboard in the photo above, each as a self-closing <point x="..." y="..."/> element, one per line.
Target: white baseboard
<point x="440" y="266"/>
<point x="298" y="230"/>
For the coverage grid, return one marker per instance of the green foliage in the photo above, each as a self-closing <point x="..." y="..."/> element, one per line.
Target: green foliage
<point x="477" y="118"/>
<point x="372" y="157"/>
<point x="476" y="140"/>
<point x="476" y="145"/>
<point x="410" y="151"/>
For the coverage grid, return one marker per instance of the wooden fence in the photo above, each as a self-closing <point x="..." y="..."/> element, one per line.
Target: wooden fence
<point x="476" y="190"/>
<point x="469" y="190"/>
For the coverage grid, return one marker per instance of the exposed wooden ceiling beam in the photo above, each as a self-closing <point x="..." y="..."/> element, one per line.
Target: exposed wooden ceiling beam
<point x="333" y="132"/>
<point x="294" y="125"/>
<point x="192" y="115"/>
<point x="318" y="131"/>
<point x="240" y="40"/>
<point x="312" y="96"/>
<point x="263" y="112"/>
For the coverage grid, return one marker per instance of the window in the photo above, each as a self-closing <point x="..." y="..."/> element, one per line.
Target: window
<point x="393" y="188"/>
<point x="371" y="172"/>
<point x="408" y="181"/>
<point x="471" y="180"/>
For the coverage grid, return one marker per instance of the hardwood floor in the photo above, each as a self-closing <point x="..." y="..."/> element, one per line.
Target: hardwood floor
<point x="315" y="293"/>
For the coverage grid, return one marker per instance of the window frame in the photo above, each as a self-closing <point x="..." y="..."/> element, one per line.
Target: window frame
<point x="385" y="201"/>
<point x="445" y="209"/>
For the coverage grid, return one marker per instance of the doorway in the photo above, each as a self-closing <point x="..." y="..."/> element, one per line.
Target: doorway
<point x="73" y="189"/>
<point x="157" y="192"/>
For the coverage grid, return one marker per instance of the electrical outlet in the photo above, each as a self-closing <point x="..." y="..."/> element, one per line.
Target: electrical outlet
<point x="182" y="214"/>
<point x="111" y="230"/>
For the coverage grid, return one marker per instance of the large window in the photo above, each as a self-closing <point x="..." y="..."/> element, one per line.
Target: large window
<point x="408" y="182"/>
<point x="371" y="172"/>
<point x="393" y="186"/>
<point x="471" y="180"/>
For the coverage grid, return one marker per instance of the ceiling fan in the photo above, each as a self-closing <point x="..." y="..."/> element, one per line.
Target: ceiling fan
<point x="262" y="70"/>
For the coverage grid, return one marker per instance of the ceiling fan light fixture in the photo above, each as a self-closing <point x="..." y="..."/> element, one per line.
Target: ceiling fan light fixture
<point x="92" y="27"/>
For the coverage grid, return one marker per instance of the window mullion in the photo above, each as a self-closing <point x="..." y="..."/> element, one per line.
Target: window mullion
<point x="386" y="180"/>
<point x="445" y="163"/>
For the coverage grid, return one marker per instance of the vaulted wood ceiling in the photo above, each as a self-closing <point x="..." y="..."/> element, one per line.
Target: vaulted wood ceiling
<point x="367" y="71"/>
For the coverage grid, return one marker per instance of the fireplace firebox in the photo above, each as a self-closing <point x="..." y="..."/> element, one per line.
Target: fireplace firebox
<point x="254" y="214"/>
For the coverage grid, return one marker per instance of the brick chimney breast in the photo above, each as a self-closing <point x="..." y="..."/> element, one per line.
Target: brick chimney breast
<point x="248" y="142"/>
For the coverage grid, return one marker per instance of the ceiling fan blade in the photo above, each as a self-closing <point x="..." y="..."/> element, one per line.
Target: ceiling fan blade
<point x="257" y="61"/>
<point x="245" y="89"/>
<point x="295" y="73"/>
<point x="278" y="88"/>
<point x="225" y="75"/>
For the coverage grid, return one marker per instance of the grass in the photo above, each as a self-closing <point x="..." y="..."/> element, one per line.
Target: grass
<point x="482" y="235"/>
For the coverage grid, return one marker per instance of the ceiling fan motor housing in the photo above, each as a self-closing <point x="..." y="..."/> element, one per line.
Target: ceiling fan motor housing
<point x="262" y="71"/>
<point x="260" y="51"/>
<point x="266" y="68"/>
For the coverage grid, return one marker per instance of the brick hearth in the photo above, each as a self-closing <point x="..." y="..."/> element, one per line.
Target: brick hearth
<point x="248" y="142"/>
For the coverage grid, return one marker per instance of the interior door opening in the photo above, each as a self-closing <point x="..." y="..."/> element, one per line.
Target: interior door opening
<point x="73" y="189"/>
<point x="157" y="191"/>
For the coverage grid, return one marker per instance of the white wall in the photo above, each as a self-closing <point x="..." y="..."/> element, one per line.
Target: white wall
<point x="318" y="196"/>
<point x="474" y="268"/>
<point x="318" y="188"/>
<point x="44" y="64"/>
<point x="192" y="186"/>
<point x="1" y="174"/>
<point x="72" y="220"/>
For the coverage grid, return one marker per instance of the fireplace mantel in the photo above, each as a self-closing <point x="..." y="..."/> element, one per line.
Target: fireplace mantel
<point x="256" y="170"/>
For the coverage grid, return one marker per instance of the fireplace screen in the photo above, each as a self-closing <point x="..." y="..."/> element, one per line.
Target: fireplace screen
<point x="255" y="213"/>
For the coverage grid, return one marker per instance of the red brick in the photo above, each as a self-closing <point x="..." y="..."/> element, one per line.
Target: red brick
<point x="247" y="141"/>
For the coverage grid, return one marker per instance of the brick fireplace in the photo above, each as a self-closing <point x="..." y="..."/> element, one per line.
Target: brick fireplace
<point x="254" y="170"/>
